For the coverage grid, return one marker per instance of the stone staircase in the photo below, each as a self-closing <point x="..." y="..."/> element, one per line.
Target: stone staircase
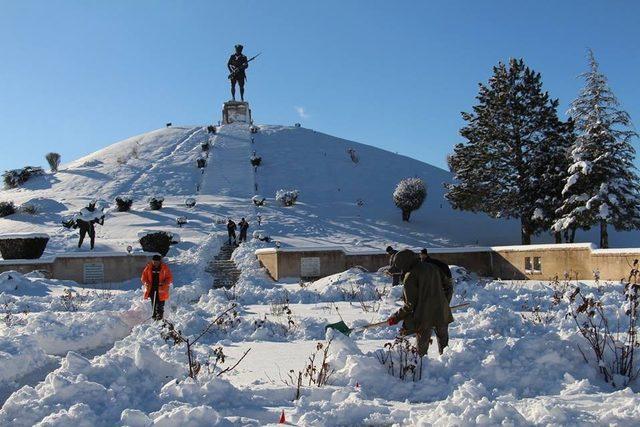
<point x="224" y="270"/>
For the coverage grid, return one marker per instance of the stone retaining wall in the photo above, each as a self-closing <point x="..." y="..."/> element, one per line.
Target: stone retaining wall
<point x="543" y="262"/>
<point x="95" y="267"/>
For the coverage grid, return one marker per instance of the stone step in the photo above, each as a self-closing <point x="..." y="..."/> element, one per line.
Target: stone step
<point x="224" y="270"/>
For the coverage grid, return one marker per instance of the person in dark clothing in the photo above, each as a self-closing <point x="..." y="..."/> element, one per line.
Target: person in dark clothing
<point x="394" y="274"/>
<point x="448" y="289"/>
<point x="156" y="279"/>
<point x="244" y="227"/>
<point x="231" y="230"/>
<point x="425" y="306"/>
<point x="237" y="65"/>
<point x="86" y="221"/>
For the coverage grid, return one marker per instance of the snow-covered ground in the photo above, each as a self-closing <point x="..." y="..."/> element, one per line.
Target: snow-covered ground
<point x="73" y="355"/>
<point x="501" y="366"/>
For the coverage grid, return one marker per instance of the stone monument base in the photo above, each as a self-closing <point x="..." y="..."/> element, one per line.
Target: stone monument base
<point x="236" y="111"/>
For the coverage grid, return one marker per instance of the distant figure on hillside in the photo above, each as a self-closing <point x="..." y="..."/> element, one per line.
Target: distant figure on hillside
<point x="231" y="230"/>
<point x="86" y="220"/>
<point x="244" y="226"/>
<point x="156" y="278"/>
<point x="394" y="274"/>
<point x="425" y="306"/>
<point x="237" y="65"/>
<point x="444" y="268"/>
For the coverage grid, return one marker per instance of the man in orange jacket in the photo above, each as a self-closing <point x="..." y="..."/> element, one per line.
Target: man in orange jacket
<point x="156" y="279"/>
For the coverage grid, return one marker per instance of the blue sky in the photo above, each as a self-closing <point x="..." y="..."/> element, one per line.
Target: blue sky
<point x="76" y="76"/>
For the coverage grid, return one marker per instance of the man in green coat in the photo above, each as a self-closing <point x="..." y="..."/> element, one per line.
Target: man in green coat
<point x="425" y="305"/>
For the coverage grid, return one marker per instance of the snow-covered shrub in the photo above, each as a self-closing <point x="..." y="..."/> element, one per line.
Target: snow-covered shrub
<point x="611" y="336"/>
<point x="157" y="241"/>
<point x="28" y="208"/>
<point x="7" y="208"/>
<point x="190" y="202"/>
<point x="261" y="235"/>
<point x="205" y="146"/>
<point x="23" y="246"/>
<point x="254" y="129"/>
<point x="181" y="221"/>
<point x="172" y="335"/>
<point x="255" y="160"/>
<point x="316" y="373"/>
<point x="258" y="200"/>
<point x="16" y="177"/>
<point x="401" y="358"/>
<point x="54" y="161"/>
<point x="297" y="125"/>
<point x="287" y="197"/>
<point x="124" y="203"/>
<point x="201" y="163"/>
<point x="211" y="129"/>
<point x="409" y="195"/>
<point x="155" y="203"/>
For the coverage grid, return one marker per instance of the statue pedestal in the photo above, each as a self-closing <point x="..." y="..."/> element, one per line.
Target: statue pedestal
<point x="236" y="111"/>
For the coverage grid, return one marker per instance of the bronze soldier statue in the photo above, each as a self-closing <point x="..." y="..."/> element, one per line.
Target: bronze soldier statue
<point x="237" y="64"/>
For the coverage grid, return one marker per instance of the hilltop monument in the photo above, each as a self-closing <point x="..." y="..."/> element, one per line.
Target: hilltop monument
<point x="237" y="111"/>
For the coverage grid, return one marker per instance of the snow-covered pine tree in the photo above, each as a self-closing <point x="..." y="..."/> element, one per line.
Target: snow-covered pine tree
<point x="550" y="167"/>
<point x="507" y="134"/>
<point x="602" y="186"/>
<point x="409" y="195"/>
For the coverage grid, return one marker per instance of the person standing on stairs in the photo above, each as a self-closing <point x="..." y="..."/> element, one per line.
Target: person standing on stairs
<point x="156" y="278"/>
<point x="231" y="230"/>
<point x="244" y="227"/>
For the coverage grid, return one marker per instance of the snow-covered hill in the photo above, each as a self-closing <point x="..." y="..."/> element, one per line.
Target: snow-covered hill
<point x="341" y="201"/>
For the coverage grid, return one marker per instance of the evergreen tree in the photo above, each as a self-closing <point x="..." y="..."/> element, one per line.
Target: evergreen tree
<point x="602" y="186"/>
<point x="549" y="171"/>
<point x="509" y="135"/>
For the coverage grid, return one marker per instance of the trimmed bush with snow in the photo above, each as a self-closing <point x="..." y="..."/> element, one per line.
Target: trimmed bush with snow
<point x="190" y="202"/>
<point x="28" y="208"/>
<point x="7" y="208"/>
<point x="16" y="177"/>
<point x="409" y="195"/>
<point x="23" y="245"/>
<point x="54" y="161"/>
<point x="155" y="203"/>
<point x="124" y="203"/>
<point x="255" y="160"/>
<point x="258" y="200"/>
<point x="261" y="235"/>
<point x="157" y="241"/>
<point x="287" y="197"/>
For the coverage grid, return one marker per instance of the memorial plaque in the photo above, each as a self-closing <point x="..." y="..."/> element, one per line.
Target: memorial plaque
<point x="310" y="267"/>
<point x="93" y="272"/>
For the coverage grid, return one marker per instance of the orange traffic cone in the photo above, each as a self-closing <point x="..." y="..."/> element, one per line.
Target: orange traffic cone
<point x="282" y="418"/>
